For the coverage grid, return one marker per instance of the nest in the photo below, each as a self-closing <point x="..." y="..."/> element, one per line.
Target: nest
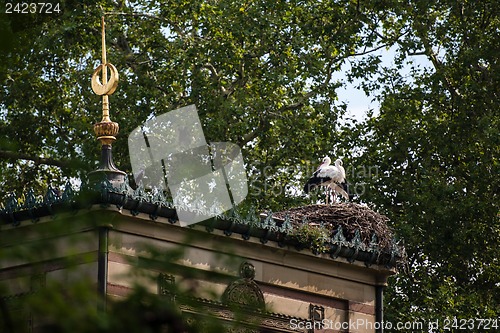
<point x="350" y="216"/>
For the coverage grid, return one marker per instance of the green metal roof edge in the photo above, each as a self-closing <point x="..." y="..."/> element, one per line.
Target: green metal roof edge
<point x="155" y="204"/>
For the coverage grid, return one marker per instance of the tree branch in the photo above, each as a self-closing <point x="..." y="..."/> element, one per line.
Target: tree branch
<point x="250" y="136"/>
<point x="293" y="106"/>
<point x="14" y="156"/>
<point x="175" y="27"/>
<point x="421" y="31"/>
<point x="420" y="53"/>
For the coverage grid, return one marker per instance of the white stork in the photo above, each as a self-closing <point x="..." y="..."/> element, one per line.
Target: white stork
<point x="330" y="176"/>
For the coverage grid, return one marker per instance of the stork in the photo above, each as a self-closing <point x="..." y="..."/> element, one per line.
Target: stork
<point x="330" y="176"/>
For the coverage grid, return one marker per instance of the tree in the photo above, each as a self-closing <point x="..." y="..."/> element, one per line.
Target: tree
<point x="436" y="145"/>
<point x="264" y="68"/>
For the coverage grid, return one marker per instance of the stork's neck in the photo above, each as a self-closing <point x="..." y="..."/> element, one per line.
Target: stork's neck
<point x="322" y="165"/>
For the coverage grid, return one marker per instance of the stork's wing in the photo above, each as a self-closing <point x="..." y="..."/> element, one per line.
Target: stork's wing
<point x="318" y="178"/>
<point x="338" y="189"/>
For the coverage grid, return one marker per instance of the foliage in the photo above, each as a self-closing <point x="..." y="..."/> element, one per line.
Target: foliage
<point x="436" y="144"/>
<point x="316" y="237"/>
<point x="53" y="305"/>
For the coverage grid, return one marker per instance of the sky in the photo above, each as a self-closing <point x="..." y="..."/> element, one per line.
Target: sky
<point x="358" y="103"/>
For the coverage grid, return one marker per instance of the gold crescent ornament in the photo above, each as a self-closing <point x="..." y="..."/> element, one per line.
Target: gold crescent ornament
<point x="108" y="87"/>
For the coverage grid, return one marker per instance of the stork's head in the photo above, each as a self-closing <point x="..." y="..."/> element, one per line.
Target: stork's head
<point x="338" y="162"/>
<point x="326" y="161"/>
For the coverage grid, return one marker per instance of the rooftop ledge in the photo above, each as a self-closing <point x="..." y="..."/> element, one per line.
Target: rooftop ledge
<point x="346" y="230"/>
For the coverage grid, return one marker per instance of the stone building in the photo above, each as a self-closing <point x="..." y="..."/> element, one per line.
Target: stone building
<point x="258" y="261"/>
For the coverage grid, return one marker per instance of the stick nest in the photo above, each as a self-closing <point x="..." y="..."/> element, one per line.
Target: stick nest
<point x="350" y="216"/>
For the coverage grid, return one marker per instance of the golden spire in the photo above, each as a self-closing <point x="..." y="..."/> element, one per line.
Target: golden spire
<point x="106" y="129"/>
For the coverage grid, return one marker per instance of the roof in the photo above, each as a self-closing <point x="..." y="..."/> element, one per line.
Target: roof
<point x="349" y="231"/>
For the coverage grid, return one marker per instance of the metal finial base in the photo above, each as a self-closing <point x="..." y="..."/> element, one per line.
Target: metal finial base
<point x="107" y="168"/>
